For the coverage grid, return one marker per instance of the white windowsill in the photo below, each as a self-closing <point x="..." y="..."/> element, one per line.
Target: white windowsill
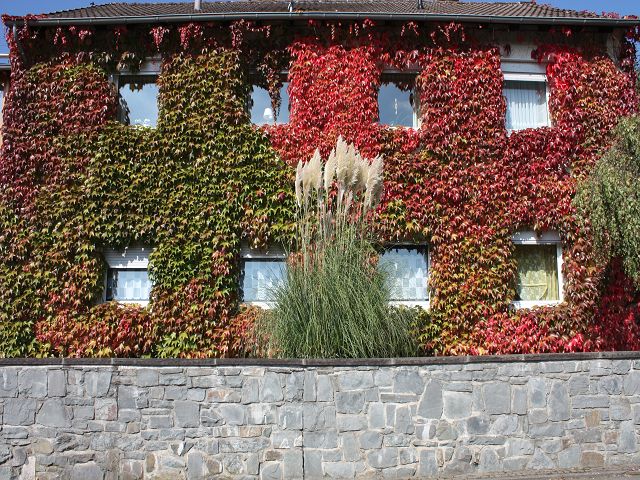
<point x="522" y="304"/>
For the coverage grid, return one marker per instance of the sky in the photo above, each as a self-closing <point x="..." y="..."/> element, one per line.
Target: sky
<point x="22" y="7"/>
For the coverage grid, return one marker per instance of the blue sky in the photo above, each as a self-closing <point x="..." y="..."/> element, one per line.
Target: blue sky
<point x="21" y="7"/>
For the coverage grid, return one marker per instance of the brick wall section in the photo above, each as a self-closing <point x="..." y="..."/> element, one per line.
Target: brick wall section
<point x="287" y="420"/>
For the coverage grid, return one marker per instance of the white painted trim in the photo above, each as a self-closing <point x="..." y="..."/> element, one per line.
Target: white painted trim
<point x="546" y="238"/>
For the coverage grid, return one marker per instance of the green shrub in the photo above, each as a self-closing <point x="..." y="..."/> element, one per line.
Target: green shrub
<point x="335" y="302"/>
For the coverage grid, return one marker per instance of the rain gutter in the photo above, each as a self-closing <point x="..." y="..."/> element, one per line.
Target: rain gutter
<point x="204" y="17"/>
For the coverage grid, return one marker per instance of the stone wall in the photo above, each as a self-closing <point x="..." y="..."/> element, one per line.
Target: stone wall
<point x="89" y="420"/>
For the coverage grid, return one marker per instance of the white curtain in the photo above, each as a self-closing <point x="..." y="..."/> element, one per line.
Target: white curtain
<point x="526" y="104"/>
<point x="406" y="271"/>
<point x="130" y="285"/>
<point x="537" y="277"/>
<point x="260" y="279"/>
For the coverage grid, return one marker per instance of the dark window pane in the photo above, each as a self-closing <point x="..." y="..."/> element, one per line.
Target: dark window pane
<point x="139" y="101"/>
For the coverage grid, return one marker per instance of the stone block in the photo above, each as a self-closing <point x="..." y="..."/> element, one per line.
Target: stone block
<point x="627" y="442"/>
<point x="349" y="402"/>
<point x="271" y="390"/>
<point x="489" y="460"/>
<point x="355" y="379"/>
<point x="504" y="425"/>
<point x="431" y="403"/>
<point x="56" y="383"/>
<point x="456" y="404"/>
<point x="271" y="471"/>
<point x="8" y="382"/>
<point x="408" y="381"/>
<point x="620" y="409"/>
<point x="404" y="420"/>
<point x="286" y="439"/>
<point x="313" y="464"/>
<point x="428" y="466"/>
<point x="250" y="391"/>
<point x="519" y="400"/>
<point x="290" y="417"/>
<point x="96" y="383"/>
<point x="292" y="465"/>
<point x="559" y="404"/>
<point x="383" y="458"/>
<point x="537" y="390"/>
<point x="187" y="414"/>
<point x="370" y="440"/>
<point x="324" y="439"/>
<point x="339" y="470"/>
<point x="590" y="401"/>
<point x="540" y="461"/>
<point x="147" y="377"/>
<point x="591" y="459"/>
<point x="517" y="447"/>
<point x="316" y="416"/>
<point x="350" y="423"/>
<point x="87" y="471"/>
<point x="497" y="397"/>
<point x="632" y="383"/>
<point x="53" y="413"/>
<point x="310" y="384"/>
<point x="570" y="457"/>
<point x="325" y="391"/>
<point x="32" y="382"/>
<point x="19" y="411"/>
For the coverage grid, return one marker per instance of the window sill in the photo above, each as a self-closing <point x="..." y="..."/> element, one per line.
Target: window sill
<point x="528" y="304"/>
<point x="138" y="303"/>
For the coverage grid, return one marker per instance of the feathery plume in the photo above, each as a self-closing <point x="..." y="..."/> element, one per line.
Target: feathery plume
<point x="374" y="182"/>
<point x="298" y="183"/>
<point x="330" y="170"/>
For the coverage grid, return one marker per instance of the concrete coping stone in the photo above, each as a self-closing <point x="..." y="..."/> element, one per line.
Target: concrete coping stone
<point x="317" y="362"/>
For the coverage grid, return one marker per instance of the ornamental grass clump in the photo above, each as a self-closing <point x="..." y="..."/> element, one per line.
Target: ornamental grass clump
<point x="335" y="302"/>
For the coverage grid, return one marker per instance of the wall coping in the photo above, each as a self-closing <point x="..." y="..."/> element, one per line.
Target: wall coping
<point x="315" y="362"/>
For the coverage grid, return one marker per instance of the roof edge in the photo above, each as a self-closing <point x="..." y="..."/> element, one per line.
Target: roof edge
<point x="203" y="17"/>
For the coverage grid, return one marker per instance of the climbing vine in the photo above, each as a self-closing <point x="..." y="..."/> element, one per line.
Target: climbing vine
<point x="75" y="181"/>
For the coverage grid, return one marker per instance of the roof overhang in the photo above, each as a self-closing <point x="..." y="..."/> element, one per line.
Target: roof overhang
<point x="311" y="15"/>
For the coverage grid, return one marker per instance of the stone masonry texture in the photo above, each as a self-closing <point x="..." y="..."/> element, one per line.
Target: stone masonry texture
<point x="176" y="420"/>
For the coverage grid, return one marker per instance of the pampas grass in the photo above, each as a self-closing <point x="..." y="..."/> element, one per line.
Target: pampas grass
<point x="335" y="302"/>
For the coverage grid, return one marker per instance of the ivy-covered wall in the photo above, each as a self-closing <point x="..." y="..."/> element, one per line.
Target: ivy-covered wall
<point x="75" y="181"/>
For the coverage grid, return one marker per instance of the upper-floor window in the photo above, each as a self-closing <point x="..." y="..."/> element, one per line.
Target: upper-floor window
<point x="407" y="270"/>
<point x="138" y="95"/>
<point x="539" y="269"/>
<point x="398" y="101"/>
<point x="263" y="271"/>
<point x="138" y="100"/>
<point x="261" y="109"/>
<point x="127" y="279"/>
<point x="526" y="94"/>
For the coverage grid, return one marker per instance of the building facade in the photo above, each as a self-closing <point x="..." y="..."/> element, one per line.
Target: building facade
<point x="148" y="155"/>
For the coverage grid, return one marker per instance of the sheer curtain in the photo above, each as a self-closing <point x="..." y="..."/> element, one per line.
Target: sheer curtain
<point x="407" y="274"/>
<point x="537" y="277"/>
<point x="526" y="104"/>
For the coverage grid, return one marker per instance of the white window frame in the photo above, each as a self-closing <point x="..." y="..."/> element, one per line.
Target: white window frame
<point x="247" y="254"/>
<point x="149" y="69"/>
<point x="122" y="260"/>
<point x="284" y="76"/>
<point x="514" y="71"/>
<point x="417" y="121"/>
<point x="547" y="238"/>
<point x="424" y="304"/>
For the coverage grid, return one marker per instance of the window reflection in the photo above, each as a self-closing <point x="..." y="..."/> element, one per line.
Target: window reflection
<point x="139" y="101"/>
<point x="261" y="110"/>
<point x="396" y="107"/>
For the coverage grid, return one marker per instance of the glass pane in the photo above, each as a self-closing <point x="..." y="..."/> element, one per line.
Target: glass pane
<point x="261" y="110"/>
<point x="261" y="277"/>
<point x="537" y="276"/>
<point x="139" y="102"/>
<point x="128" y="285"/>
<point x="407" y="273"/>
<point x="395" y="106"/>
<point x="526" y="104"/>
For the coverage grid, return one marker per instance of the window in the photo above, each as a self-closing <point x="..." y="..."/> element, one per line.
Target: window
<point x="261" y="109"/>
<point x="539" y="269"/>
<point x="398" y="107"/>
<point x="407" y="273"/>
<point x="138" y="95"/>
<point x="262" y="272"/>
<point x="138" y="100"/>
<point x="128" y="275"/>
<point x="526" y="94"/>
